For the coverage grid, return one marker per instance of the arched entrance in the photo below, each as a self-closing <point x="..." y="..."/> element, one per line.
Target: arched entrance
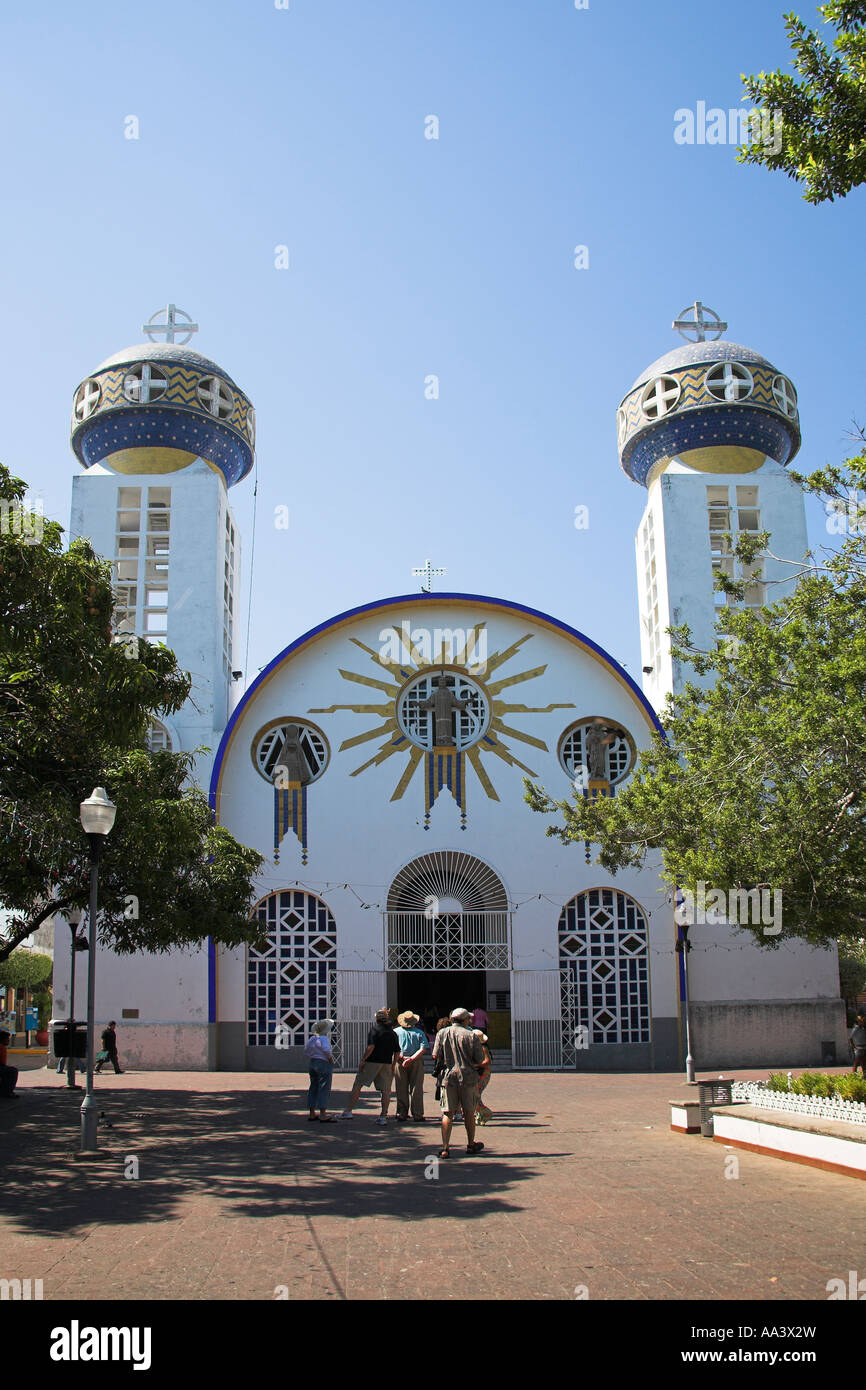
<point x="447" y="939"/>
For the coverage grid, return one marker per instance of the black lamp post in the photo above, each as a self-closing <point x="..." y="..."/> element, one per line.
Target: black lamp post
<point x="97" y="818"/>
<point x="73" y="917"/>
<point x="683" y="945"/>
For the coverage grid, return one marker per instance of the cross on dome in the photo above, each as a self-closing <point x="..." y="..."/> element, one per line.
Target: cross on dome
<point x="694" y="327"/>
<point x="170" y="327"/>
<point x="426" y="574"/>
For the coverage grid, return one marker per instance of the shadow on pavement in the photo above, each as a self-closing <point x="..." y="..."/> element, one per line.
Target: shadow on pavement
<point x="254" y="1152"/>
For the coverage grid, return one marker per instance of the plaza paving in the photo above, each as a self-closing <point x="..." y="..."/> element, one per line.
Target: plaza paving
<point x="582" y="1183"/>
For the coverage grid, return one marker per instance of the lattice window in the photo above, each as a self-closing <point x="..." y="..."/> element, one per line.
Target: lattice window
<point x="467" y="726"/>
<point x="659" y="397"/>
<point x="729" y="381"/>
<point x="785" y="396"/>
<point x="619" y="755"/>
<point x="215" y="396"/>
<point x="604" y="971"/>
<point x="144" y="383"/>
<point x="292" y="983"/>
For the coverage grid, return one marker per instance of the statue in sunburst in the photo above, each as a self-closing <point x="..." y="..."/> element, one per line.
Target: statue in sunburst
<point x="438" y="714"/>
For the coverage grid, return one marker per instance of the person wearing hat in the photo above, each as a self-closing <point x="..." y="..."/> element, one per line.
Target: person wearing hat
<point x="376" y="1067"/>
<point x="462" y="1052"/>
<point x="409" y="1066"/>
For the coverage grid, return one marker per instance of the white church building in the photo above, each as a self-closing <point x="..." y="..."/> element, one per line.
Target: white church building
<point x="377" y="762"/>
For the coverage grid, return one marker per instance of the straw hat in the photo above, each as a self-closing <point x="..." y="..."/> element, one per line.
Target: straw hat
<point x="407" y="1019"/>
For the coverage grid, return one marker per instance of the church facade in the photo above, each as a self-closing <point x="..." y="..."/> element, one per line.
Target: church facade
<point x="378" y="762"/>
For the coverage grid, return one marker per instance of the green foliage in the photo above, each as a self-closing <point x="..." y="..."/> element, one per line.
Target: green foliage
<point x="25" y="969"/>
<point x="777" y="1081"/>
<point x="74" y="710"/>
<point x="852" y="969"/>
<point x="822" y="108"/>
<point x="760" y="781"/>
<point x="816" y="1083"/>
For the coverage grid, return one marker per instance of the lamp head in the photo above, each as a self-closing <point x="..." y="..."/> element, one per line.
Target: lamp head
<point x="97" y="813"/>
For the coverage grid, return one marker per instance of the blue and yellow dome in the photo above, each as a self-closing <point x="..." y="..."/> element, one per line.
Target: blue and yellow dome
<point x="156" y="407"/>
<point x="717" y="407"/>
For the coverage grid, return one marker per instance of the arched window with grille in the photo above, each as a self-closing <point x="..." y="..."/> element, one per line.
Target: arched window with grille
<point x="603" y="971"/>
<point x="292" y="981"/>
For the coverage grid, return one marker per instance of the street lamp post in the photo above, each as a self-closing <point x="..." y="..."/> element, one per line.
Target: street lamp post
<point x="73" y="917"/>
<point x="684" y="945"/>
<point x="97" y="818"/>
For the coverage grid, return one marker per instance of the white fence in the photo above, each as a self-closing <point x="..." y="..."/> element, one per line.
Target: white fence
<point x="821" y="1107"/>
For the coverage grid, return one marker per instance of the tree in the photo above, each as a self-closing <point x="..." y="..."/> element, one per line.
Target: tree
<point x="25" y="969"/>
<point x="75" y="705"/>
<point x="852" y="968"/>
<point x="823" y="115"/>
<point x="760" y="781"/>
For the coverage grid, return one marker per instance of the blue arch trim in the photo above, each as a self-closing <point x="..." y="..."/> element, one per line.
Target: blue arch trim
<point x="418" y="600"/>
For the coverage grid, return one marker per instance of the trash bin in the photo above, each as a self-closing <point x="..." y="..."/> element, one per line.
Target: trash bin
<point x="712" y="1091"/>
<point x="70" y="1040"/>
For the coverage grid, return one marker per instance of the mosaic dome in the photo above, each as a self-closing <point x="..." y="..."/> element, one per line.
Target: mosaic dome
<point x="717" y="407"/>
<point x="156" y="408"/>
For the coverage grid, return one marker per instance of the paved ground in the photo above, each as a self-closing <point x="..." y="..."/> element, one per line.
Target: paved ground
<point x="582" y="1184"/>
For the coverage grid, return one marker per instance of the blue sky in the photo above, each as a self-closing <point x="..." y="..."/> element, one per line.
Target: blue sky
<point x="305" y="127"/>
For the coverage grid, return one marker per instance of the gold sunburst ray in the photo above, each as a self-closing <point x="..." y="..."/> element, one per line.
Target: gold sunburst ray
<point x="450" y="762"/>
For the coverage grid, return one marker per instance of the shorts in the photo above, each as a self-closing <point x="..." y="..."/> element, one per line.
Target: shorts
<point x="455" y="1097"/>
<point x="378" y="1074"/>
<point x="859" y="1057"/>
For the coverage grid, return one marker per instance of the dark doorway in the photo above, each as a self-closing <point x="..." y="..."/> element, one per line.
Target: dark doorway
<point x="432" y="994"/>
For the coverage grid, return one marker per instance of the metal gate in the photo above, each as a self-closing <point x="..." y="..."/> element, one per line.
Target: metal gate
<point x="359" y="994"/>
<point x="536" y="1029"/>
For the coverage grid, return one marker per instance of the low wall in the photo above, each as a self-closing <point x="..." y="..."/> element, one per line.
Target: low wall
<point x="162" y="1046"/>
<point x="773" y="1033"/>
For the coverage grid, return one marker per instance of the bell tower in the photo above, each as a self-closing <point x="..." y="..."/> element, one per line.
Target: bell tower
<point x="708" y="430"/>
<point x="163" y="433"/>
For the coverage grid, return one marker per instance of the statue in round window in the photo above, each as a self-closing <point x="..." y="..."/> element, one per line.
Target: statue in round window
<point x="296" y="746"/>
<point x="443" y="709"/>
<point x="596" y="750"/>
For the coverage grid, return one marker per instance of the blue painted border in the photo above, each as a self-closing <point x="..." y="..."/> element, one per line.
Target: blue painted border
<point x="377" y="606"/>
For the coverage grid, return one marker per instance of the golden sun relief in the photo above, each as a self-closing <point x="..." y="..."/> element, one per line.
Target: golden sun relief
<point x="442" y="709"/>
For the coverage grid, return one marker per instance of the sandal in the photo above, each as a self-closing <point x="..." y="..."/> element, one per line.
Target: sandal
<point x="444" y="1153"/>
<point x="312" y="1119"/>
<point x="328" y="1120"/>
<point x="474" y="1148"/>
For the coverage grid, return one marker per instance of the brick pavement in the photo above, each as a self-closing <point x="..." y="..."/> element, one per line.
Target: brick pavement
<point x="582" y="1183"/>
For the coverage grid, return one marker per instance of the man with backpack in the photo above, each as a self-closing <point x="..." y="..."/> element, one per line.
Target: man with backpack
<point x="460" y="1051"/>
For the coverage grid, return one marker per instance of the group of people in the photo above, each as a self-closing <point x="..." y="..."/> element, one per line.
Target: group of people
<point x="394" y="1059"/>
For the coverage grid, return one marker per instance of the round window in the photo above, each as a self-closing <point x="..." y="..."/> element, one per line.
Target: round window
<point x="269" y="741"/>
<point x="443" y="709"/>
<point x="596" y="749"/>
